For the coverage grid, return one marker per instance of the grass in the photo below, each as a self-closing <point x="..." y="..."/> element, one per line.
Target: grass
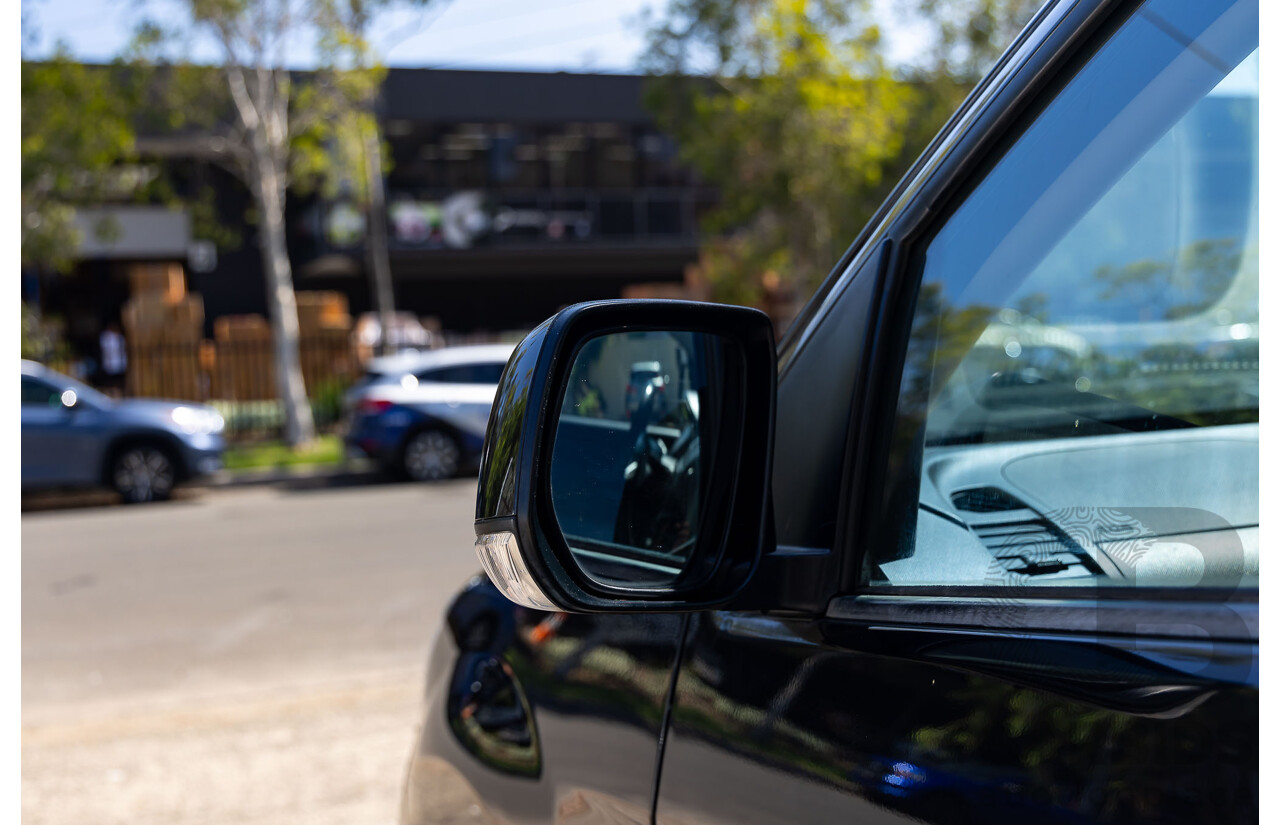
<point x="326" y="449"/>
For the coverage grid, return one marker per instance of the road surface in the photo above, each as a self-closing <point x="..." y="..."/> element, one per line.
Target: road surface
<point x="248" y="656"/>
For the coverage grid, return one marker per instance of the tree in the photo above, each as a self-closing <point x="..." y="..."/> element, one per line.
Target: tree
<point x="76" y="136"/>
<point x="346" y="50"/>
<point x="272" y="131"/>
<point x="798" y="129"/>
<point x="792" y="110"/>
<point x="969" y="35"/>
<point x="254" y="35"/>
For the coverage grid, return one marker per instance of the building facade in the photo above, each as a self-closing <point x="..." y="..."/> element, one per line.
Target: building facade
<point x="509" y="195"/>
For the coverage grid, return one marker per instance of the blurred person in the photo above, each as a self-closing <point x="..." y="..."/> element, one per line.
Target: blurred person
<point x="114" y="360"/>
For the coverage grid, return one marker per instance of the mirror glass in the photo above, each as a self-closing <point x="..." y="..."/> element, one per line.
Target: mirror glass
<point x="632" y="452"/>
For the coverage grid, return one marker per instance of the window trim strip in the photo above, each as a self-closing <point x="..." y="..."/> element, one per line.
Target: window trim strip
<point x="1233" y="619"/>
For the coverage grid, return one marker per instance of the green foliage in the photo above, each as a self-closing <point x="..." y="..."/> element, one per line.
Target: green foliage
<point x="971" y="34"/>
<point x="328" y="112"/>
<point x="792" y="110"/>
<point x="326" y="400"/>
<point x="800" y="131"/>
<point x="41" y="337"/>
<point x="76" y="136"/>
<point x="1199" y="274"/>
<point x="93" y="134"/>
<point x="324" y="450"/>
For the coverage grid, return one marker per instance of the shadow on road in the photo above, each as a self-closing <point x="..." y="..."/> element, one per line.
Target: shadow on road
<point x="44" y="501"/>
<point x="335" y="481"/>
<point x="362" y="478"/>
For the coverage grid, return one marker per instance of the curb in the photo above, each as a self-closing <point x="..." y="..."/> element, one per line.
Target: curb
<point x="333" y="476"/>
<point x="320" y="475"/>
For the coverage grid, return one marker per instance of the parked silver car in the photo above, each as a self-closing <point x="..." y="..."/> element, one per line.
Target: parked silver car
<point x="74" y="436"/>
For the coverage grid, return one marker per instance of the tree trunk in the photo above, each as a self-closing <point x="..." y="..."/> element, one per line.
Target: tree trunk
<point x="268" y="191"/>
<point x="379" y="264"/>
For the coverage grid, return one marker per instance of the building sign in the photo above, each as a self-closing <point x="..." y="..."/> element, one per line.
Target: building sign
<point x="474" y="219"/>
<point x="553" y="224"/>
<point x="415" y="223"/>
<point x="467" y="219"/>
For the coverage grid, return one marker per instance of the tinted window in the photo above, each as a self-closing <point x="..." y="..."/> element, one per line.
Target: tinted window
<point x="483" y="373"/>
<point x="36" y="392"/>
<point x="1079" y="402"/>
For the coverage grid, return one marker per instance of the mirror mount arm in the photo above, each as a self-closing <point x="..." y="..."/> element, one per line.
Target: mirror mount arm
<point x="791" y="580"/>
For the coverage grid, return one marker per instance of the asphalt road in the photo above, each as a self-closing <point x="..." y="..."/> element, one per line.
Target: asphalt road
<point x="242" y="655"/>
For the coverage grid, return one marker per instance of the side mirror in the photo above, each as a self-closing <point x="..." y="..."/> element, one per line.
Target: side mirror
<point x="627" y="461"/>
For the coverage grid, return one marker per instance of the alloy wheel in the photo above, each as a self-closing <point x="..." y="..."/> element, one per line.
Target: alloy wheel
<point x="143" y="474"/>
<point x="431" y="456"/>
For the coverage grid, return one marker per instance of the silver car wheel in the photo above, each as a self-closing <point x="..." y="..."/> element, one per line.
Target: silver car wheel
<point x="430" y="456"/>
<point x="143" y="474"/>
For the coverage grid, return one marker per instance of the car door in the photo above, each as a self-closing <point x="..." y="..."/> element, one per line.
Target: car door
<point x="541" y="717"/>
<point x="461" y="395"/>
<point x="1034" y="579"/>
<point x="56" y="443"/>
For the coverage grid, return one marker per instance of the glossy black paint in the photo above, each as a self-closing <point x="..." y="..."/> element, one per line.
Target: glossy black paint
<point x="870" y="713"/>
<point x="790" y="720"/>
<point x="541" y="717"/>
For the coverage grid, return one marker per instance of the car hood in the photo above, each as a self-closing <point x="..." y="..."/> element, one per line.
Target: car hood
<point x="150" y="409"/>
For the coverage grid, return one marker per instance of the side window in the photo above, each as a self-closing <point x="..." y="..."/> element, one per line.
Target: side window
<point x="1079" y="402"/>
<point x="439" y="375"/>
<point x="464" y="374"/>
<point x="489" y="373"/>
<point x="37" y="393"/>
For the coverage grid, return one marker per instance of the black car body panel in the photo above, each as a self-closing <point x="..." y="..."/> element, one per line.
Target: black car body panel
<point x="544" y="717"/>
<point x="795" y="721"/>
<point x="849" y="701"/>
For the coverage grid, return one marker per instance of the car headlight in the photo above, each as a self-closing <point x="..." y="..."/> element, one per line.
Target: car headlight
<point x="197" y="421"/>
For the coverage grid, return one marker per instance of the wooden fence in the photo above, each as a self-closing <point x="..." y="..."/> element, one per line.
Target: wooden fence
<point x="238" y="376"/>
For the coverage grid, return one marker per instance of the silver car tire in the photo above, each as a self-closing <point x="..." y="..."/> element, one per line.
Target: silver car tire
<point x="143" y="473"/>
<point x="430" y="455"/>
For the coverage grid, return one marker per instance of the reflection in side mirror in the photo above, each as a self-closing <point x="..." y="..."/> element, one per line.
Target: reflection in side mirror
<point x="626" y="466"/>
<point x="627" y="472"/>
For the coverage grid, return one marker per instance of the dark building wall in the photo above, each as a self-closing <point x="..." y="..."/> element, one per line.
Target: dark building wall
<point x="579" y="150"/>
<point x="489" y="305"/>
<point x="460" y="96"/>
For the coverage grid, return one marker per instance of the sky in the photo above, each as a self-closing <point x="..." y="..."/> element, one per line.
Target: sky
<point x="548" y="35"/>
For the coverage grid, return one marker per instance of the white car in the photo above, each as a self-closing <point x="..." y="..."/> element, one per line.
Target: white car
<point x="423" y="415"/>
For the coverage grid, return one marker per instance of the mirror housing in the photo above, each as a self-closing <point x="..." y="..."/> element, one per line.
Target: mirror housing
<point x="518" y="536"/>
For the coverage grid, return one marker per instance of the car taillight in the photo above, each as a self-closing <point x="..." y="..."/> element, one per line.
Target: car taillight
<point x="372" y="406"/>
